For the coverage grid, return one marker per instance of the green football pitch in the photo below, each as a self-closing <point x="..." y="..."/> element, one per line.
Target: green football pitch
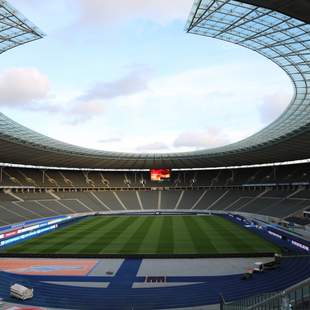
<point x="202" y="235"/>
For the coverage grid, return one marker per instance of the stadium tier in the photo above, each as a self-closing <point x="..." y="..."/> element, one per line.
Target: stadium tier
<point x="17" y="207"/>
<point x="278" y="191"/>
<point x="277" y="176"/>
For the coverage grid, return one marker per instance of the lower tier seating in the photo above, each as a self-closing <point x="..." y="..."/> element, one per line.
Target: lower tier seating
<point x="20" y="206"/>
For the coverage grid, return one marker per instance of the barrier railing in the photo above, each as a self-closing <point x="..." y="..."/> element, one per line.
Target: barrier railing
<point x="296" y="297"/>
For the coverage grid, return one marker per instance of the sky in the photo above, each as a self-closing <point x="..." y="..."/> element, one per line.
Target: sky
<point x="123" y="75"/>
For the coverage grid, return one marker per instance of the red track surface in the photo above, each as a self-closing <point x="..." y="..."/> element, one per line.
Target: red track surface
<point x="65" y="267"/>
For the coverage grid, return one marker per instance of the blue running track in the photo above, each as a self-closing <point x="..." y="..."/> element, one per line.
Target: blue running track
<point x="120" y="294"/>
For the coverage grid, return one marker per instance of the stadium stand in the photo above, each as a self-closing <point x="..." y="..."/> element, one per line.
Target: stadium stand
<point x="298" y="220"/>
<point x="129" y="199"/>
<point x="33" y="193"/>
<point x="149" y="200"/>
<point x="169" y="199"/>
<point x="279" y="32"/>
<point x="188" y="199"/>
<point x="109" y="199"/>
<point x="277" y="175"/>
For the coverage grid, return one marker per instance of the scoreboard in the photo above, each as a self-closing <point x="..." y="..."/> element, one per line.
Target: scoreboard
<point x="160" y="175"/>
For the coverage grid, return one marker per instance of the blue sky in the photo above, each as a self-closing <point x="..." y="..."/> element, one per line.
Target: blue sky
<point x="125" y="76"/>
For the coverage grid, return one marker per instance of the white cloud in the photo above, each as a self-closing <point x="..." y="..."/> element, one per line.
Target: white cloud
<point x="196" y="109"/>
<point x="133" y="82"/>
<point x="152" y="147"/>
<point x="120" y="11"/>
<point x="23" y="86"/>
<point x="109" y="140"/>
<point x="273" y="105"/>
<point x="92" y="103"/>
<point x="210" y="138"/>
<point x="83" y="111"/>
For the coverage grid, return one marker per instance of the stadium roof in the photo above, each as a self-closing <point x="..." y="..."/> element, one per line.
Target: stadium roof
<point x="282" y="38"/>
<point x="299" y="9"/>
<point x="15" y="29"/>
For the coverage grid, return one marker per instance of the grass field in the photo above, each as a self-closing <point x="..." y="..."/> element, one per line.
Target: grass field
<point x="202" y="235"/>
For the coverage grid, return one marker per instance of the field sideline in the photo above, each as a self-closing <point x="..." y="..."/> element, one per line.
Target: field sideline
<point x="201" y="235"/>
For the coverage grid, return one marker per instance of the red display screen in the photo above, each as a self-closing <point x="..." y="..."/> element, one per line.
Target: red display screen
<point x="160" y="174"/>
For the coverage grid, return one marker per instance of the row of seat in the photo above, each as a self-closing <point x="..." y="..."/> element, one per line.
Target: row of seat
<point x="222" y="177"/>
<point x="17" y="207"/>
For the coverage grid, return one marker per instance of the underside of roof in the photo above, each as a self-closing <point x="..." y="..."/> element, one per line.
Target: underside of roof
<point x="299" y="9"/>
<point x="282" y="38"/>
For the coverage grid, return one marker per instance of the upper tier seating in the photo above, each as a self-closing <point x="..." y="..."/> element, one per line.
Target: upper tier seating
<point x="30" y="177"/>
